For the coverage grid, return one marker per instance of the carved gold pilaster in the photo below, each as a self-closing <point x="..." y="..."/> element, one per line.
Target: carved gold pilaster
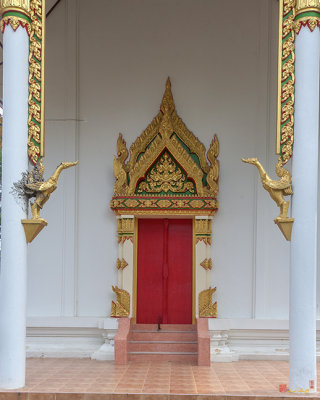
<point x="125" y="229"/>
<point x="203" y="230"/>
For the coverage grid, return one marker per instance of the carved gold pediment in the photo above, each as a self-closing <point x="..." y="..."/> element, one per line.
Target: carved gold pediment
<point x="166" y="160"/>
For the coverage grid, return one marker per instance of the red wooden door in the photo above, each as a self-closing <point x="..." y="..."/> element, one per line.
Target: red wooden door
<point x="164" y="281"/>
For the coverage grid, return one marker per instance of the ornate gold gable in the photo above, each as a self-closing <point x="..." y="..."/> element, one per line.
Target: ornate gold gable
<point x="168" y="171"/>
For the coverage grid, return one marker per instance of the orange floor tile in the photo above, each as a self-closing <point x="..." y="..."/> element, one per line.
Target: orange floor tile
<point x="84" y="379"/>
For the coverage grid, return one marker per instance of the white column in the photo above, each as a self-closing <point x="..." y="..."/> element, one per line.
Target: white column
<point x="304" y="211"/>
<point x="13" y="276"/>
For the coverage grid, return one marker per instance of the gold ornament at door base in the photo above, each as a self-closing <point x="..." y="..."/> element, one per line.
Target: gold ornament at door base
<point x="206" y="307"/>
<point x="120" y="308"/>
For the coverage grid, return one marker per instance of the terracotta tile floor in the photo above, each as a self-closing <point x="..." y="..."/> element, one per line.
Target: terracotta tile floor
<point x="84" y="376"/>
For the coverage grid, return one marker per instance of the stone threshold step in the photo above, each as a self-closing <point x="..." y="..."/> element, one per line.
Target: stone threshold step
<point x="160" y="341"/>
<point x="164" y="352"/>
<point x="161" y="331"/>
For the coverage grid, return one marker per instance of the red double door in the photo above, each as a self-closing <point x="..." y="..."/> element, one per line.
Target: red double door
<point x="164" y="271"/>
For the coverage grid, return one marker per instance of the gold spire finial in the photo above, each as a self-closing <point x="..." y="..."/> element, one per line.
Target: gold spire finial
<point x="167" y="104"/>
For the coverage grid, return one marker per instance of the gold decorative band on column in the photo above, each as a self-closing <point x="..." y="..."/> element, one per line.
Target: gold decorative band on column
<point x="307" y="5"/>
<point x="286" y="80"/>
<point x="307" y="14"/>
<point x="15" y="21"/>
<point x="15" y="5"/>
<point x="15" y="13"/>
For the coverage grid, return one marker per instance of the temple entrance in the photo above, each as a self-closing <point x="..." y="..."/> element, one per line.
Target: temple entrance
<point x="164" y="271"/>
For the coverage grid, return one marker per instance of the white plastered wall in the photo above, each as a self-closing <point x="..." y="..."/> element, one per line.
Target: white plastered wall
<point x="106" y="75"/>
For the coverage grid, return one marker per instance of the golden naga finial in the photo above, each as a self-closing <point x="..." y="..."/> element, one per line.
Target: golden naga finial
<point x="42" y="190"/>
<point x="167" y="104"/>
<point x="213" y="174"/>
<point x="277" y="190"/>
<point x="119" y="167"/>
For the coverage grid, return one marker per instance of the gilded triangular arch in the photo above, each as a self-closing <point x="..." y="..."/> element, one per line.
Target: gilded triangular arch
<point x="166" y="133"/>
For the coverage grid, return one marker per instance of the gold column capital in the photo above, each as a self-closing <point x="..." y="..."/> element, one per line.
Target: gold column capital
<point x="15" y="5"/>
<point x="307" y="5"/>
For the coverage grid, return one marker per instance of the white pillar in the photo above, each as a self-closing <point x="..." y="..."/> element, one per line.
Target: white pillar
<point x="13" y="275"/>
<point x="304" y="212"/>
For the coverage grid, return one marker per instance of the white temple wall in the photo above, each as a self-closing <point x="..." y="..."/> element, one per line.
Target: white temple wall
<point x="108" y="76"/>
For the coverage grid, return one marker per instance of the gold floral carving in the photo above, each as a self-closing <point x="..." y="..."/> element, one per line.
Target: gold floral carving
<point x="164" y="203"/>
<point x="286" y="80"/>
<point x="167" y="134"/>
<point x="178" y="152"/>
<point x="121" y="264"/>
<point x="207" y="264"/>
<point x="206" y="307"/>
<point x="120" y="308"/>
<point x="164" y="177"/>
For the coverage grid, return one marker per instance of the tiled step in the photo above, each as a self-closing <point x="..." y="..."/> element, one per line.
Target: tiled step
<point x="163" y="346"/>
<point x="176" y="343"/>
<point x="174" y="336"/>
<point x="164" y="327"/>
<point x="153" y="356"/>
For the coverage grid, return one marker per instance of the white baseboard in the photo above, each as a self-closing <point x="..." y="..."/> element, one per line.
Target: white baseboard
<point x="231" y="339"/>
<point x="71" y="337"/>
